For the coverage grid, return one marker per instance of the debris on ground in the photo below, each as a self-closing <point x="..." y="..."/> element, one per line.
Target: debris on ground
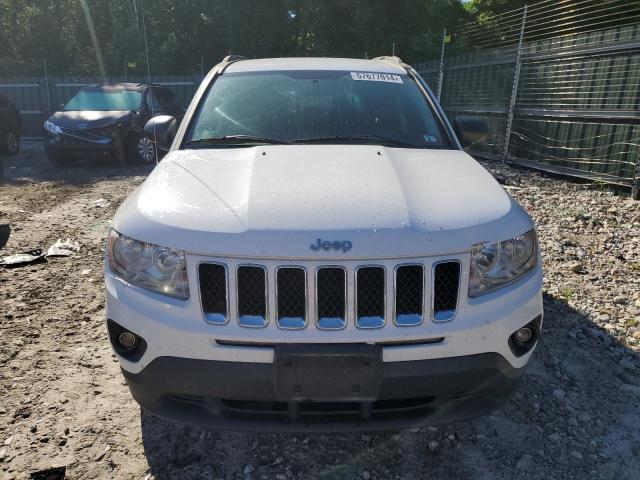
<point x="22" y="258"/>
<point x="101" y="203"/>
<point x="63" y="249"/>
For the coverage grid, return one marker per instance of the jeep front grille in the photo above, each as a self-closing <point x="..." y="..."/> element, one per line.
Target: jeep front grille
<point x="370" y="297"/>
<point x="446" y="280"/>
<point x="252" y="295"/>
<point x="291" y="298"/>
<point x="213" y="291"/>
<point x="331" y="297"/>
<point x="409" y="293"/>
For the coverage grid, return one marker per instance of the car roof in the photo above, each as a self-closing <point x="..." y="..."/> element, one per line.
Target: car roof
<point x="308" y="63"/>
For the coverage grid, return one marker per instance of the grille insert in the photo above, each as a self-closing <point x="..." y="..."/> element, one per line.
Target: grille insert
<point x="331" y="297"/>
<point x="246" y="295"/>
<point x="291" y="286"/>
<point x="213" y="292"/>
<point x="252" y="296"/>
<point x="446" y="280"/>
<point x="370" y="297"/>
<point x="409" y="292"/>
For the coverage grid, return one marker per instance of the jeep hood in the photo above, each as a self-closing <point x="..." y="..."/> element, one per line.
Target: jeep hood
<point x="275" y="201"/>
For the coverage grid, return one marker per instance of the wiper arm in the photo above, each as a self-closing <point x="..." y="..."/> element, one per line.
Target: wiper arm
<point x="233" y="139"/>
<point x="358" y="139"/>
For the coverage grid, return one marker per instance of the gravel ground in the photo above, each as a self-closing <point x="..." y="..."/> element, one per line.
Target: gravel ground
<point x="64" y="403"/>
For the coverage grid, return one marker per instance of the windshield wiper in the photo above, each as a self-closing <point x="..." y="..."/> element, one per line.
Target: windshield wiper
<point x="375" y="139"/>
<point x="232" y="139"/>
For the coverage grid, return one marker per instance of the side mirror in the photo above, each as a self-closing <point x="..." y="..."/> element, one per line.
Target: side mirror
<point x="161" y="130"/>
<point x="471" y="130"/>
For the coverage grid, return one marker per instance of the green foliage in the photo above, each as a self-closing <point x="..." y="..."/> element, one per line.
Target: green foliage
<point x="182" y="32"/>
<point x="492" y="7"/>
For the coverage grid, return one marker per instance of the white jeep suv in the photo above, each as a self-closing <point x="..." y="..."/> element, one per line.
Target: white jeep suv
<point x="317" y="252"/>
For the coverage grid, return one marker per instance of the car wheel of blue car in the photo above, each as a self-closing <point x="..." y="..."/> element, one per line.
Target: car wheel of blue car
<point x="145" y="149"/>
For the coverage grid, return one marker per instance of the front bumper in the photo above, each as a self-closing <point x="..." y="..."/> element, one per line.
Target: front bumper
<point x="240" y="395"/>
<point x="81" y="145"/>
<point x="222" y="375"/>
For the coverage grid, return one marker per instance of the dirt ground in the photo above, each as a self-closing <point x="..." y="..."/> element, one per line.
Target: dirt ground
<point x="63" y="401"/>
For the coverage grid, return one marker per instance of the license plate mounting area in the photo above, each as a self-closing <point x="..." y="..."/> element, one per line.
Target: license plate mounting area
<point x="328" y="373"/>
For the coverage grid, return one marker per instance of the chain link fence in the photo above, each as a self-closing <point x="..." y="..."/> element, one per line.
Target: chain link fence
<point x="559" y="83"/>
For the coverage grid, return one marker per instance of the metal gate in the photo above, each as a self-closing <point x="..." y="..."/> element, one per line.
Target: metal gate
<point x="559" y="83"/>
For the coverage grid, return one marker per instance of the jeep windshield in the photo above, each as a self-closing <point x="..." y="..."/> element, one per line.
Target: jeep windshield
<point x="315" y="107"/>
<point x="105" y="101"/>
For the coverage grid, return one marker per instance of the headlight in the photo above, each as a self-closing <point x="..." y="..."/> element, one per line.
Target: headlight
<point x="52" y="128"/>
<point x="494" y="265"/>
<point x="156" y="268"/>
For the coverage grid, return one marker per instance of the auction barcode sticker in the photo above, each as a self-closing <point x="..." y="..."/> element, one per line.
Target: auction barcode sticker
<point x="376" y="77"/>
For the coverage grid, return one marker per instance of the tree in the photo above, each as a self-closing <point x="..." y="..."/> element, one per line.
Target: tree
<point x="94" y="36"/>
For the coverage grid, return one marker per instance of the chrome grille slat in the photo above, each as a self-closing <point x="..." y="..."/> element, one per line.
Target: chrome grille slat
<point x="370" y="296"/>
<point x="213" y="292"/>
<point x="291" y="297"/>
<point x="252" y="295"/>
<point x="446" y="283"/>
<point x="331" y="298"/>
<point x="409" y="295"/>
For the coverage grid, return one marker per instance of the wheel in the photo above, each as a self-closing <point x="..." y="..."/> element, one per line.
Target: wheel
<point x="142" y="150"/>
<point x="10" y="143"/>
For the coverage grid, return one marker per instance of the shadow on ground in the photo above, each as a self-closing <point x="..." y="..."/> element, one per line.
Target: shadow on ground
<point x="575" y="416"/>
<point x="5" y="233"/>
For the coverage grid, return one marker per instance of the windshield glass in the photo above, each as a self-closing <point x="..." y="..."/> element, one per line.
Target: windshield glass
<point x="104" y="101"/>
<point x="326" y="106"/>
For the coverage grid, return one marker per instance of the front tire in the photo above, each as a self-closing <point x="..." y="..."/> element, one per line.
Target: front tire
<point x="142" y="150"/>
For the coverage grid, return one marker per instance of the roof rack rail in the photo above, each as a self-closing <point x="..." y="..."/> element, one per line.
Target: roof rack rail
<point x="396" y="60"/>
<point x="233" y="58"/>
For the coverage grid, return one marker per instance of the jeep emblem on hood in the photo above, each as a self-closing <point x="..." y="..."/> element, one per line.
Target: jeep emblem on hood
<point x="344" y="245"/>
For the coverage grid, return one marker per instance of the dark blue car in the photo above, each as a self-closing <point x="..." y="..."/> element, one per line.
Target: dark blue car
<point x="107" y="121"/>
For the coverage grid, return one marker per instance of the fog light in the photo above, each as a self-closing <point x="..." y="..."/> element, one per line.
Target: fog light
<point x="524" y="339"/>
<point x="127" y="340"/>
<point x="126" y="343"/>
<point x="523" y="335"/>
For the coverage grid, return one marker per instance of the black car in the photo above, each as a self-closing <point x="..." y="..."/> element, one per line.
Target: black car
<point x="107" y="121"/>
<point x="10" y="127"/>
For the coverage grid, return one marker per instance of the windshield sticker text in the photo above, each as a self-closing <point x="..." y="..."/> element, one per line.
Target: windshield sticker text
<point x="376" y="77"/>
